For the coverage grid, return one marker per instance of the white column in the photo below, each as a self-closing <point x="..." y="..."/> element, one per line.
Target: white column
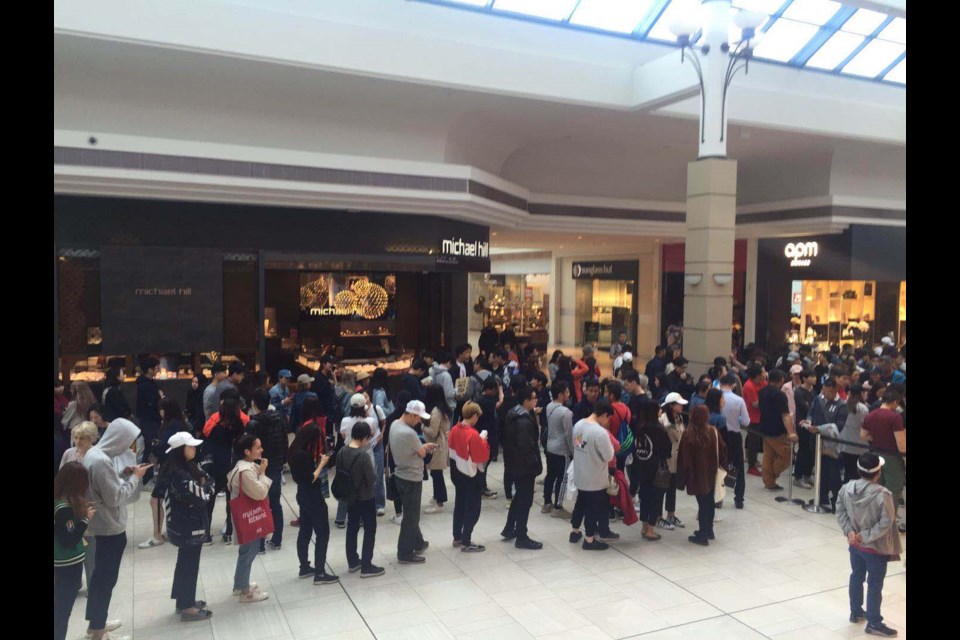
<point x="716" y="15"/>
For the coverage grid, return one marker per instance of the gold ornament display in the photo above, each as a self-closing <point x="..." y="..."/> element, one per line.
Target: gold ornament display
<point x="314" y="293"/>
<point x="344" y="302"/>
<point x="371" y="300"/>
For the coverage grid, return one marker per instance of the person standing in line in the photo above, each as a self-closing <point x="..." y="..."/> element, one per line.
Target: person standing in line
<point x="736" y="418"/>
<point x="619" y="346"/>
<point x="84" y="435"/>
<point x="593" y="452"/>
<point x="655" y="366"/>
<point x="437" y="432"/>
<point x="172" y="418"/>
<point x="211" y="395"/>
<point x="281" y="396"/>
<point x="187" y="490"/>
<point x="469" y="452"/>
<point x="403" y="397"/>
<point x="521" y="460"/>
<point x="380" y="396"/>
<point x="81" y="399"/>
<point x="324" y="387"/>
<point x="828" y="409"/>
<point x="194" y="407"/>
<point x="148" y="406"/>
<point x="672" y="421"/>
<point x="756" y="380"/>
<point x="652" y="451"/>
<point x="880" y="428"/>
<point x="803" y="396"/>
<point x="779" y="433"/>
<point x="222" y="431"/>
<point x="490" y="400"/>
<point x="109" y="491"/>
<point x="584" y="408"/>
<point x="857" y="411"/>
<point x="358" y="412"/>
<point x="114" y="402"/>
<point x="60" y="401"/>
<point x="409" y="453"/>
<point x="701" y="454"/>
<point x="411" y="380"/>
<point x="308" y="460"/>
<point x="867" y="516"/>
<point x="268" y="426"/>
<point x="559" y="449"/>
<point x="356" y="460"/>
<point x="440" y="372"/>
<point x="71" y="514"/>
<point x="251" y="478"/>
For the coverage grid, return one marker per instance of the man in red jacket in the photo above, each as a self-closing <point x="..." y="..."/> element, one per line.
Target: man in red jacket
<point x="469" y="452"/>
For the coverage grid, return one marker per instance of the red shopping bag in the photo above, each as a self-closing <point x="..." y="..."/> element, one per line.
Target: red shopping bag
<point x="252" y="519"/>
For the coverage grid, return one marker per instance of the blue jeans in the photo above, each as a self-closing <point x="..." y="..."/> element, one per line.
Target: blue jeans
<point x="341" y="511"/>
<point x="245" y="557"/>
<point x="276" y="506"/>
<point x="872" y="568"/>
<point x="379" y="488"/>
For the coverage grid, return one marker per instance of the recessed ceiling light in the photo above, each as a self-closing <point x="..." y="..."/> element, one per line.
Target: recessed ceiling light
<point x="579" y="237"/>
<point x="493" y="233"/>
<point x="561" y="246"/>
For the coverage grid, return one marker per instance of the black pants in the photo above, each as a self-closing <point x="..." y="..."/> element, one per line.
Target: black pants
<point x="185" y="574"/>
<point x="754" y="445"/>
<point x="734" y="443"/>
<point x="707" y="511"/>
<point x="508" y="485"/>
<point x="670" y="503"/>
<point x="651" y="501"/>
<point x="595" y="511"/>
<point x="439" y="486"/>
<point x="520" y="507"/>
<point x="410" y="538"/>
<point x="149" y="431"/>
<point x="66" y="584"/>
<point x="850" y="471"/>
<point x="466" y="505"/>
<point x="314" y="519"/>
<point x="803" y="463"/>
<point x="221" y="485"/>
<point x="276" y="507"/>
<point x="105" y="573"/>
<point x="830" y="481"/>
<point x="556" y="467"/>
<point x="365" y="510"/>
<point x="493" y="437"/>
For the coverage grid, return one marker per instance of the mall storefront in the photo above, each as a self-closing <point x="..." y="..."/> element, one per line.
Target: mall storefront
<point x="842" y="289"/>
<point x="196" y="283"/>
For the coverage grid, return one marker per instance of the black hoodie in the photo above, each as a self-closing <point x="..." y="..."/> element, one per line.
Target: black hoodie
<point x="268" y="426"/>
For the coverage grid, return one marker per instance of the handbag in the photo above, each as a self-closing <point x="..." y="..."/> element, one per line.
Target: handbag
<point x="719" y="490"/>
<point x="389" y="478"/>
<point x="252" y="519"/>
<point x="613" y="487"/>
<point x="661" y="479"/>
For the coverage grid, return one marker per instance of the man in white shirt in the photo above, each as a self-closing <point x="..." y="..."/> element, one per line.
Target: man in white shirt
<point x="735" y="413"/>
<point x="592" y="453"/>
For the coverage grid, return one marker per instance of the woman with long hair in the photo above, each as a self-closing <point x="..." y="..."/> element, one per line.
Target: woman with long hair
<point x="403" y="397"/>
<point x="857" y="410"/>
<point x="84" y="435"/>
<point x="81" y="399"/>
<point x="114" y="402"/>
<point x="194" y="406"/>
<point x="359" y="412"/>
<point x="652" y="451"/>
<point x="438" y="432"/>
<point x="172" y="422"/>
<point x="701" y="453"/>
<point x="95" y="415"/>
<point x="309" y="458"/>
<point x="672" y="421"/>
<point x="383" y="406"/>
<point x="554" y="366"/>
<point x="248" y="476"/>
<point x="187" y="489"/>
<point x="226" y="430"/>
<point x="71" y="513"/>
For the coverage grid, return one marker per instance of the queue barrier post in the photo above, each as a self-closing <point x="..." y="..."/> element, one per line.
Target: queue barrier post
<point x="814" y="506"/>
<point x="789" y="497"/>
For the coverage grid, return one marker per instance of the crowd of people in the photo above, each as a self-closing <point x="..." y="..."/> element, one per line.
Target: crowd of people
<point x="617" y="445"/>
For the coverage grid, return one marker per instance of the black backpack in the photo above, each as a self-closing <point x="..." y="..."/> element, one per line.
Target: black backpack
<point x="342" y="486"/>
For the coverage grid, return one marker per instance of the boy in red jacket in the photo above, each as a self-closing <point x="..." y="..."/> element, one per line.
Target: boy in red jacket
<point x="469" y="453"/>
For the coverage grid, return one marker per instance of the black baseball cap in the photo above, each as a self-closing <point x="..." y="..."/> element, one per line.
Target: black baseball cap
<point x="218" y="368"/>
<point x="236" y="367"/>
<point x="332" y="359"/>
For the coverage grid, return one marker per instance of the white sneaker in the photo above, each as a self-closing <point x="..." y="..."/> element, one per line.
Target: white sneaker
<point x="255" y="595"/>
<point x="381" y="512"/>
<point x="717" y="519"/>
<point x="664" y="524"/>
<point x="397" y="519"/>
<point x="433" y="501"/>
<point x="110" y="636"/>
<point x="434" y="509"/>
<point x="112" y="625"/>
<point x="253" y="587"/>
<point x="150" y="542"/>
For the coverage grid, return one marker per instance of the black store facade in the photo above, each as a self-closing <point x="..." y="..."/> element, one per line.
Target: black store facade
<point x="848" y="288"/>
<point x="273" y="287"/>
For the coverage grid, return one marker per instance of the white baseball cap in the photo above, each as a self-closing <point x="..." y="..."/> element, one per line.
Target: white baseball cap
<point x="797" y="368"/>
<point x="627" y="356"/>
<point x="417" y="408"/>
<point x="887" y="340"/>
<point x="358" y="400"/>
<point x="673" y="397"/>
<point x="182" y="438"/>
<point x="304" y="378"/>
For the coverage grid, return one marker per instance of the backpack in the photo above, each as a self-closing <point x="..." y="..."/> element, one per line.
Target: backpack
<point x="477" y="388"/>
<point x="342" y="486"/>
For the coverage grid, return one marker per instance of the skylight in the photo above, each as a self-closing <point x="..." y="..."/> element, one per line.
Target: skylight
<point x="837" y="49"/>
<point x="864" y="22"/>
<point x="898" y="73"/>
<point x="621" y="16"/>
<point x="549" y="9"/>
<point x="785" y="39"/>
<point x="874" y="58"/>
<point x="812" y="11"/>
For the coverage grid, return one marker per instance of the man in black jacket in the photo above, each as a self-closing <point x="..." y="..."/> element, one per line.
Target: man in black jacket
<point x="268" y="426"/>
<point x="679" y="381"/>
<point x="324" y="386"/>
<point x="521" y="458"/>
<point x="410" y="381"/>
<point x="655" y="366"/>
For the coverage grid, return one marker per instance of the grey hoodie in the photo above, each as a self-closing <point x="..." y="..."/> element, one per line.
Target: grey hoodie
<point x="107" y="487"/>
<point x="867" y="508"/>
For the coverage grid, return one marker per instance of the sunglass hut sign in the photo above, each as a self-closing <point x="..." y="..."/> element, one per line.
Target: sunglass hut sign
<point x="801" y="253"/>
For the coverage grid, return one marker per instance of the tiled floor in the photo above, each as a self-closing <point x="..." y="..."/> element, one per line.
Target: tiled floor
<point x="774" y="571"/>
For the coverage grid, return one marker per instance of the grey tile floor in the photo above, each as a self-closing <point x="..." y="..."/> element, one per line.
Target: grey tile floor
<point x="774" y="571"/>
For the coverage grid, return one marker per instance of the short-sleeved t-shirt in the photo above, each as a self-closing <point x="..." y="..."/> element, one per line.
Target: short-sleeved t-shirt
<point x="773" y="406"/>
<point x="751" y="395"/>
<point x="881" y="423"/>
<point x="404" y="444"/>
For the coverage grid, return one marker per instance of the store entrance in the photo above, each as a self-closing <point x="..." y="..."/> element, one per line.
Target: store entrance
<point x="607" y="307"/>
<point x="826" y="312"/>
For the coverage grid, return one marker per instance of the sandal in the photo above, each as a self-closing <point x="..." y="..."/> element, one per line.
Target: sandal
<point x="652" y="538"/>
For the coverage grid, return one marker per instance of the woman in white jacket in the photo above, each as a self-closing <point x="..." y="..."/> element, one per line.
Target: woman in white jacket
<point x="251" y="478"/>
<point x="672" y="421"/>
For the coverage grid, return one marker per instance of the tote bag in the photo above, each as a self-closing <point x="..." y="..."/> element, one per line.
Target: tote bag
<point x="252" y="519"/>
<point x="719" y="490"/>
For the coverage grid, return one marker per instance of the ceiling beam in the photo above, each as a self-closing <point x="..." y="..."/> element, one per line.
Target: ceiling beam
<point x="662" y="82"/>
<point x="897" y="8"/>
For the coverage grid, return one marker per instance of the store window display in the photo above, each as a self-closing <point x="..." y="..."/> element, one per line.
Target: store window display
<point x="512" y="302"/>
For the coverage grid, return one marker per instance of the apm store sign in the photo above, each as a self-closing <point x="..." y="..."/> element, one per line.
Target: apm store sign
<point x="801" y="253"/>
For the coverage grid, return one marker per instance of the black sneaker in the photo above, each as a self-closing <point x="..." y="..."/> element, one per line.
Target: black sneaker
<point x="353" y="568"/>
<point x="325" y="578"/>
<point x="199" y="604"/>
<point x="270" y="545"/>
<point x="226" y="538"/>
<point x="306" y="572"/>
<point x="207" y="540"/>
<point x="262" y="552"/>
<point x="472" y="548"/>
<point x="738" y="505"/>
<point x="411" y="559"/>
<point x="527" y="543"/>
<point x="596" y="545"/>
<point x="340" y="525"/>
<point x="718" y="505"/>
<point x="420" y="551"/>
<point x="609" y="535"/>
<point x="490" y="495"/>
<point x="858" y="617"/>
<point x="575" y="537"/>
<point x="775" y="487"/>
<point x="371" y="571"/>
<point x="508" y="534"/>
<point x="703" y="542"/>
<point x="880" y="629"/>
<point x="709" y="537"/>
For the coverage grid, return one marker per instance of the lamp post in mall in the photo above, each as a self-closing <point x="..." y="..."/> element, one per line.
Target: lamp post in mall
<point x="712" y="178"/>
